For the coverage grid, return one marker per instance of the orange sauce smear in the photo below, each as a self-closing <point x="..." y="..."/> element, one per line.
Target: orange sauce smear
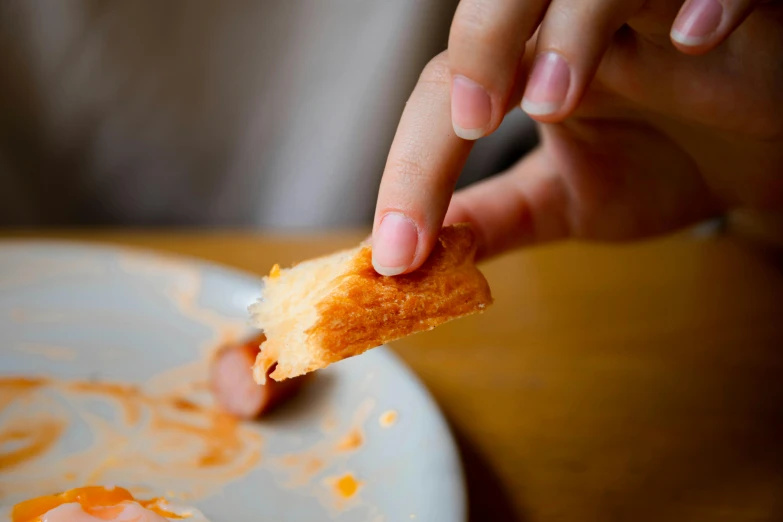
<point x="388" y="419"/>
<point x="11" y="388"/>
<point x="313" y="466"/>
<point x="218" y="440"/>
<point x="29" y="437"/>
<point x="127" y="396"/>
<point x="220" y="437"/>
<point x="352" y="441"/>
<point x="33" y="438"/>
<point x="93" y="499"/>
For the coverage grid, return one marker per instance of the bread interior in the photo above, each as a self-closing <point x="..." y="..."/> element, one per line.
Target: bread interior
<point x="286" y="311"/>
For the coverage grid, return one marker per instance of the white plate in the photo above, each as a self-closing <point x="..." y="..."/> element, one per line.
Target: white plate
<point x="77" y="314"/>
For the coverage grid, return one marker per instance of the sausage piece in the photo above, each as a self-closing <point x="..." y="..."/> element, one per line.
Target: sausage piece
<point x="233" y="386"/>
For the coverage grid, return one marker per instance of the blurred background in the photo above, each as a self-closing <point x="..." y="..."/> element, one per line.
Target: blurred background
<point x="196" y="113"/>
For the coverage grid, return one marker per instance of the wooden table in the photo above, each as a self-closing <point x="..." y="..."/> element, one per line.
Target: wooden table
<point x="636" y="383"/>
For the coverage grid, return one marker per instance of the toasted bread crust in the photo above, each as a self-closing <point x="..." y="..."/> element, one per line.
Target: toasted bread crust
<point x="366" y="309"/>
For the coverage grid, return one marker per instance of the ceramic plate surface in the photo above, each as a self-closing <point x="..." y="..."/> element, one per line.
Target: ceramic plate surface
<point x="103" y="364"/>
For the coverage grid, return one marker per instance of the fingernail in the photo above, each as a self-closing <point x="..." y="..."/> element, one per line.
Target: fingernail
<point x="697" y="22"/>
<point x="471" y="108"/>
<point x="394" y="244"/>
<point x="547" y="86"/>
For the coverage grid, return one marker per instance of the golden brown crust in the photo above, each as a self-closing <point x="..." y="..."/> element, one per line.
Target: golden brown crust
<point x="364" y="309"/>
<point x="367" y="309"/>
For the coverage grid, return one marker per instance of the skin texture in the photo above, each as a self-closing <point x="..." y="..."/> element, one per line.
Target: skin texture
<point x="646" y="135"/>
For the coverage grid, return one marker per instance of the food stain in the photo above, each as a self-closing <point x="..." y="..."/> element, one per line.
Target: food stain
<point x="346" y="486"/>
<point x="26" y="439"/>
<point x="300" y="468"/>
<point x="126" y="396"/>
<point x="290" y="460"/>
<point x="352" y="441"/>
<point x="388" y="419"/>
<point x="221" y="444"/>
<point x="182" y="283"/>
<point x="313" y="466"/>
<point x="156" y="441"/>
<point x="329" y="422"/>
<point x="15" y="388"/>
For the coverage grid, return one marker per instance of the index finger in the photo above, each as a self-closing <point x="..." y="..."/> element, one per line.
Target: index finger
<point x="421" y="171"/>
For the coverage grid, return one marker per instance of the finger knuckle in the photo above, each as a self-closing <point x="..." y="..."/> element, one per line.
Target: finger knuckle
<point x="437" y="70"/>
<point x="473" y="15"/>
<point x="407" y="171"/>
<point x="474" y="24"/>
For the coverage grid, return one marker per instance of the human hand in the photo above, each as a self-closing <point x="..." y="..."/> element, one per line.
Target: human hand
<point x="648" y="123"/>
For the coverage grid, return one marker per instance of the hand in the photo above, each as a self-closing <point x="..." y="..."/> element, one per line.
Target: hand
<point x="653" y="115"/>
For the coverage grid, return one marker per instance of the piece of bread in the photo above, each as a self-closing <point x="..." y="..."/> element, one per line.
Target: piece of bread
<point x="334" y="307"/>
